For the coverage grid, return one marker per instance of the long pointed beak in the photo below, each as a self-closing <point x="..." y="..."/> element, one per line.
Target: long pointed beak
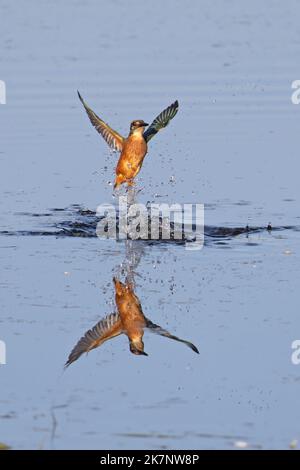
<point x="145" y="124"/>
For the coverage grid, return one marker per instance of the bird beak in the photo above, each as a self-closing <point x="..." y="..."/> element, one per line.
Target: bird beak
<point x="145" y="124"/>
<point x="137" y="352"/>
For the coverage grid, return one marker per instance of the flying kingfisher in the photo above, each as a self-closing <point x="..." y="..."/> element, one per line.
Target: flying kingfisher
<point x="129" y="319"/>
<point x="134" y="147"/>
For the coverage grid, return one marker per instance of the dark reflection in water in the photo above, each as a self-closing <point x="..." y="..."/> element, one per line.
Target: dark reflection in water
<point x="128" y="319"/>
<point x="75" y="221"/>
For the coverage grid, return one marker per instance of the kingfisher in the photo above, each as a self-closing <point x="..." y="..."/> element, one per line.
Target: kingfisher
<point x="129" y="320"/>
<point x="134" y="147"/>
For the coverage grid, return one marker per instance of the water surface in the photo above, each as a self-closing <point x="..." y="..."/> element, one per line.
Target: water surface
<point x="232" y="146"/>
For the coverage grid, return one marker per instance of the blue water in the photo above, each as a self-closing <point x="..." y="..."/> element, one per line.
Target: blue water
<point x="233" y="146"/>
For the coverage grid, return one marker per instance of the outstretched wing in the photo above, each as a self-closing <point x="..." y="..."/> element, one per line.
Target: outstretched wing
<point x="113" y="138"/>
<point x="161" y="121"/>
<point x="160" y="331"/>
<point x="105" y="329"/>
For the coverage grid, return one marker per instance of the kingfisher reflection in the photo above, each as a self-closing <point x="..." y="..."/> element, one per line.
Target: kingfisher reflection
<point x="128" y="319"/>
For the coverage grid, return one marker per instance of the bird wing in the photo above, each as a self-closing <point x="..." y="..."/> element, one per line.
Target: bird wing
<point x="160" y="331"/>
<point x="105" y="329"/>
<point x="161" y="121"/>
<point x="113" y="138"/>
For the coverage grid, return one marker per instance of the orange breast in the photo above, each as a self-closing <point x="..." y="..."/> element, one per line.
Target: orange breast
<point x="132" y="317"/>
<point x="132" y="156"/>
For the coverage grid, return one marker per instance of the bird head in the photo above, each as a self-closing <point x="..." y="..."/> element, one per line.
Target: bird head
<point x="138" y="124"/>
<point x="137" y="348"/>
